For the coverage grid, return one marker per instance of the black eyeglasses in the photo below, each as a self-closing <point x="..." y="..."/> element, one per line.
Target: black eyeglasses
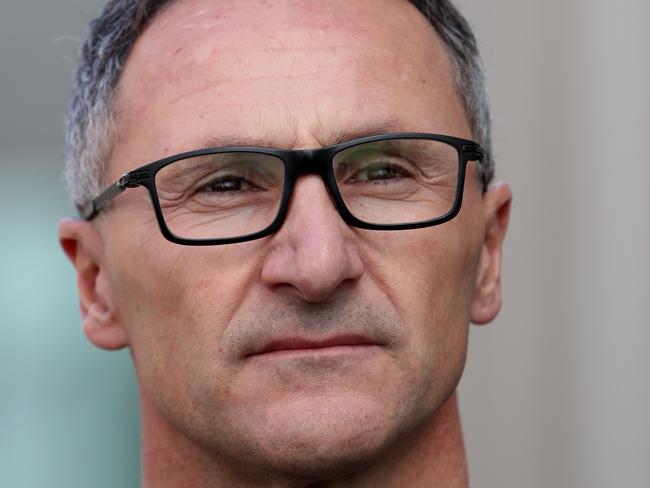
<point x="225" y="195"/>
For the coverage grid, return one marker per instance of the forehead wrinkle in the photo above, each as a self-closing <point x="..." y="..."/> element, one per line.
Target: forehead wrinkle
<point x="226" y="78"/>
<point x="237" y="80"/>
<point x="232" y="67"/>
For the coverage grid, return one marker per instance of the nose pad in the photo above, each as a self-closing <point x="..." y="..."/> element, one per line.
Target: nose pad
<point x="315" y="251"/>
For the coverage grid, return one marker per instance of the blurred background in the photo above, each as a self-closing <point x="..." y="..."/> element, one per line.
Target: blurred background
<point x="556" y="392"/>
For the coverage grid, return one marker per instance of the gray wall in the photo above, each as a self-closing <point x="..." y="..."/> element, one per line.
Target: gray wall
<point x="556" y="391"/>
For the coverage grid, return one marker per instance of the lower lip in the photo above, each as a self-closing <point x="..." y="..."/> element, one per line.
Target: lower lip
<point x="330" y="352"/>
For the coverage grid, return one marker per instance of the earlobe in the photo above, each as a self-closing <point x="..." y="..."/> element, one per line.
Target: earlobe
<point x="487" y="296"/>
<point x="82" y="244"/>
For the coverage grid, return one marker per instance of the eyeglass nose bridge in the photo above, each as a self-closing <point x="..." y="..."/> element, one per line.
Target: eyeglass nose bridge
<point x="302" y="162"/>
<point x="308" y="161"/>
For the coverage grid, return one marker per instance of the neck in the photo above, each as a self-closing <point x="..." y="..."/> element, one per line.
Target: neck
<point x="432" y="457"/>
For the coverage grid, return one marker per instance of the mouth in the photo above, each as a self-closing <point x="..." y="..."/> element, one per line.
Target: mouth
<point x="297" y="346"/>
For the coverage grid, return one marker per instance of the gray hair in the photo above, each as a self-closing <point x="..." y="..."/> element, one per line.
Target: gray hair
<point x="90" y="127"/>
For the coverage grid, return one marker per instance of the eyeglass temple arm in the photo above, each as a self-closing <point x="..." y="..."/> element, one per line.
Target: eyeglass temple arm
<point x="92" y="209"/>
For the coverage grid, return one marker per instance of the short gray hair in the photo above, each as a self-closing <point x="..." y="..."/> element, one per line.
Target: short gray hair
<point x="90" y="127"/>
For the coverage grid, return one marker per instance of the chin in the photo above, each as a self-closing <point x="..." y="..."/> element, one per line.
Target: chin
<point x="324" y="437"/>
<point x="324" y="457"/>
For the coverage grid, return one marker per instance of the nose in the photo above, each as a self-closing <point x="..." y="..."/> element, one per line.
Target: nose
<point x="314" y="252"/>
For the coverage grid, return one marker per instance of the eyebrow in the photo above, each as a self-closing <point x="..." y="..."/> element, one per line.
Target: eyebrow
<point x="336" y="137"/>
<point x="329" y="137"/>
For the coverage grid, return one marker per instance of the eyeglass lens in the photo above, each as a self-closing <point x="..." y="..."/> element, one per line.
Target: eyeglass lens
<point x="398" y="181"/>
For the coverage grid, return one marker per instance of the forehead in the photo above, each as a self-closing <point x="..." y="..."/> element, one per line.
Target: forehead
<point x="289" y="73"/>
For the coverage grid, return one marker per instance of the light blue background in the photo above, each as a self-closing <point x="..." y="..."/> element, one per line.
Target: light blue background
<point x="68" y="411"/>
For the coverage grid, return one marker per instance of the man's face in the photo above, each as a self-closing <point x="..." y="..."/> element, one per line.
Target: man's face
<point x="198" y="319"/>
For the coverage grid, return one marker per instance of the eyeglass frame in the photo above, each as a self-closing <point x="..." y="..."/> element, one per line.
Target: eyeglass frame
<point x="297" y="162"/>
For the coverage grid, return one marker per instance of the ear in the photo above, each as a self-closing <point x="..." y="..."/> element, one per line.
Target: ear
<point x="83" y="245"/>
<point x="496" y="213"/>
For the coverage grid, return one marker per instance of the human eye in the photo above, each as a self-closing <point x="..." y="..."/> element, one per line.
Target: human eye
<point x="234" y="186"/>
<point x="374" y="167"/>
<point x="378" y="171"/>
<point x="228" y="184"/>
<point x="237" y="177"/>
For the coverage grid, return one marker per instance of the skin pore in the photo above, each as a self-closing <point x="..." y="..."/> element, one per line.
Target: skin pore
<point x="216" y="412"/>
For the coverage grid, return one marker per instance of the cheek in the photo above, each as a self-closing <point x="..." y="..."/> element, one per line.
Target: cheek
<point x="431" y="283"/>
<point x="175" y="305"/>
<point x="431" y="278"/>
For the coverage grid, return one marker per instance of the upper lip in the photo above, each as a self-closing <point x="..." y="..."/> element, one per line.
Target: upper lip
<point x="293" y="343"/>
